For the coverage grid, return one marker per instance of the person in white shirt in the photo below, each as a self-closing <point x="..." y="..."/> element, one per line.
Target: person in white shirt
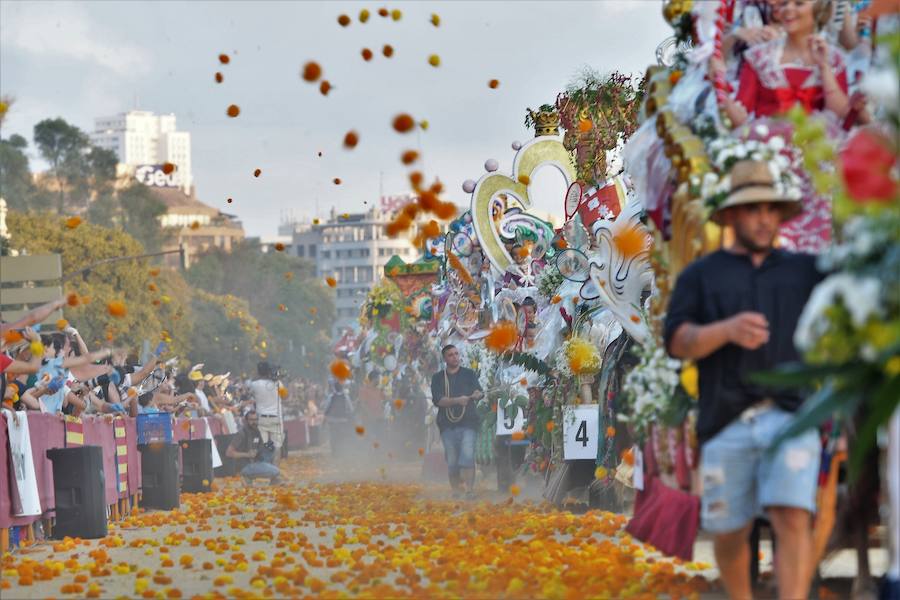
<point x="201" y="395"/>
<point x="266" y="393"/>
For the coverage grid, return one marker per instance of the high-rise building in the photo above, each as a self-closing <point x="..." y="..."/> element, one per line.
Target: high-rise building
<point x="144" y="142"/>
<point x="353" y="248"/>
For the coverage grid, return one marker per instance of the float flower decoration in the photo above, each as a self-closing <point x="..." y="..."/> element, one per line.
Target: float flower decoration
<point x="548" y="282"/>
<point x="654" y="392"/>
<point x="383" y="318"/>
<point x="598" y="112"/>
<point x="580" y="357"/>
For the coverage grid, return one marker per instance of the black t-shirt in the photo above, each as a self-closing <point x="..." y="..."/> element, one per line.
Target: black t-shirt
<point x="462" y="383"/>
<point x="246" y="440"/>
<point x="721" y="285"/>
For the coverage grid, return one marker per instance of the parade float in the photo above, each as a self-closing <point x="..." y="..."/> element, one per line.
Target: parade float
<point x="563" y="322"/>
<point x="391" y="355"/>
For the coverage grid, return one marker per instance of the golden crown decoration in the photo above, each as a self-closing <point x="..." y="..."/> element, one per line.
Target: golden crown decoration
<point x="545" y="120"/>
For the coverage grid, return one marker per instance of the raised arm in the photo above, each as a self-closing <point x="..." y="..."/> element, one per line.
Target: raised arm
<point x="138" y="376"/>
<point x="834" y="85"/>
<point x="33" y="365"/>
<point x="33" y="316"/>
<point x="82" y="346"/>
<point x="20" y="367"/>
<point x="84" y="359"/>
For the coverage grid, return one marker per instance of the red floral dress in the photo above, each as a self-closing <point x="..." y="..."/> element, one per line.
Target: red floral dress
<point x="768" y="88"/>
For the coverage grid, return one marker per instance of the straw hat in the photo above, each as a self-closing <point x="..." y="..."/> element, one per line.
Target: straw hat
<point x="752" y="183"/>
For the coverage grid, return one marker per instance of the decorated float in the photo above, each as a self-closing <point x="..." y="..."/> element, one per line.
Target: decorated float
<point x="563" y="321"/>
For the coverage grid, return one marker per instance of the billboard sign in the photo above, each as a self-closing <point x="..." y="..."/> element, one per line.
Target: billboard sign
<point x="154" y="176"/>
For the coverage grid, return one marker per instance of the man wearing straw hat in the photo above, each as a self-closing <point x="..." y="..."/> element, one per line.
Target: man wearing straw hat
<point x="734" y="312"/>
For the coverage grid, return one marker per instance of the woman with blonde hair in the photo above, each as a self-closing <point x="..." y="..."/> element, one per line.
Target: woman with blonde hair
<point x="799" y="67"/>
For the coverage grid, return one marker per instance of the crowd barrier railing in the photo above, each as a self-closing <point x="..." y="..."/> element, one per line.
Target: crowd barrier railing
<point x="122" y="473"/>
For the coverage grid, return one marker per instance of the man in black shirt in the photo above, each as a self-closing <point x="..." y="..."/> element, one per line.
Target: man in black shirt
<point x="454" y="390"/>
<point x="735" y="312"/>
<point x="254" y="457"/>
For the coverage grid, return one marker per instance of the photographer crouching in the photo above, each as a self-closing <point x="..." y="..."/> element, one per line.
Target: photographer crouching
<point x="248" y="445"/>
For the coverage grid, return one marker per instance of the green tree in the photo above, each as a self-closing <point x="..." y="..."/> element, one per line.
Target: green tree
<point x="157" y="306"/>
<point x="284" y="294"/>
<point x="63" y="147"/>
<point x="135" y="210"/>
<point x="139" y="215"/>
<point x="15" y="174"/>
<point x="228" y="337"/>
<point x="105" y="211"/>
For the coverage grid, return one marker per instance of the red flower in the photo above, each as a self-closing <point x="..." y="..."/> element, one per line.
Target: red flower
<point x="866" y="164"/>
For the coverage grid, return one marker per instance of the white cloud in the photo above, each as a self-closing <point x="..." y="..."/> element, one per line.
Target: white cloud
<point x="64" y="30"/>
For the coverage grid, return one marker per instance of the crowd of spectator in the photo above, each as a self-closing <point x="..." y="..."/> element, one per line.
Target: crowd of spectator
<point x="49" y="368"/>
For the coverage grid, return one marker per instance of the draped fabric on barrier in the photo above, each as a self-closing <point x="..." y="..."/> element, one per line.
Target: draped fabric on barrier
<point x="296" y="434"/>
<point x="23" y="484"/>
<point x="49" y="431"/>
<point x="46" y="431"/>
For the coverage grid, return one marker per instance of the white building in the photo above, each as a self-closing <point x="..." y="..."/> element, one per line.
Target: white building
<point x="143" y="139"/>
<point x="353" y="248"/>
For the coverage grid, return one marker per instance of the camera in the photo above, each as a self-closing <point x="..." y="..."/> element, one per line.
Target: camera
<point x="266" y="452"/>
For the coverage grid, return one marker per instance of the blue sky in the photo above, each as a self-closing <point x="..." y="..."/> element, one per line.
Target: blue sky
<point x="85" y="59"/>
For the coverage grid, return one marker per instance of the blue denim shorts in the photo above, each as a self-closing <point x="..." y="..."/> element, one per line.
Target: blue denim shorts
<point x="741" y="478"/>
<point x="459" y="447"/>
<point x="260" y="470"/>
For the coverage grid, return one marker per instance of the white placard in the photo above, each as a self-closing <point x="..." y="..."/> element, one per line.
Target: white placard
<point x="23" y="463"/>
<point x="230" y="424"/>
<point x="581" y="429"/>
<point x="509" y="426"/>
<point x="638" y="468"/>
<point x="213" y="450"/>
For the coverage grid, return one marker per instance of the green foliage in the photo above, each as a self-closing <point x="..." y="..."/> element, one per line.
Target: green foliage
<point x="296" y="309"/>
<point x="149" y="312"/>
<point x="63" y="146"/>
<point x="135" y="210"/>
<point x="15" y="175"/>
<point x="530" y="362"/>
<point x="82" y="180"/>
<point x="228" y="337"/>
<point x="612" y="103"/>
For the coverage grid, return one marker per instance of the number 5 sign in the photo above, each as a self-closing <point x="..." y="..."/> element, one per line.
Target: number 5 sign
<point x="510" y="420"/>
<point x="581" y="428"/>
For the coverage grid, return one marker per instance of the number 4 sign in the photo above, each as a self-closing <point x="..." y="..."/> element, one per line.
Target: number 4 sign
<point x="581" y="428"/>
<point x="510" y="420"/>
